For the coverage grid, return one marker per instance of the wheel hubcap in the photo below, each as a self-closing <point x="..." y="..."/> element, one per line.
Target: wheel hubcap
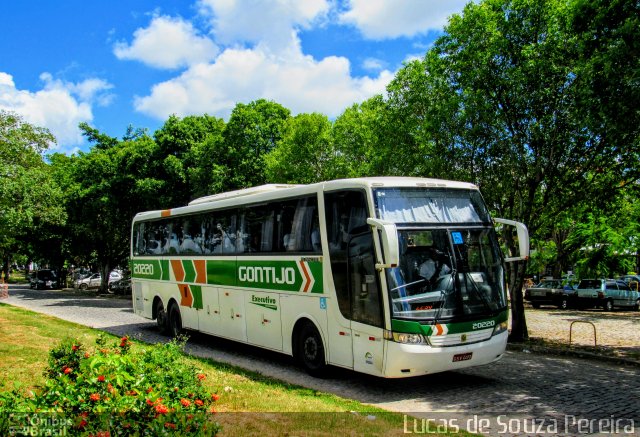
<point x="310" y="349"/>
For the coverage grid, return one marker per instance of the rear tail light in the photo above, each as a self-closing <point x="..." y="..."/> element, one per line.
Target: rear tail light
<point x="600" y="294"/>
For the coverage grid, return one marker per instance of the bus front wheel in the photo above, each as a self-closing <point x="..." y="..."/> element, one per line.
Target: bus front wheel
<point x="310" y="351"/>
<point x="175" y="321"/>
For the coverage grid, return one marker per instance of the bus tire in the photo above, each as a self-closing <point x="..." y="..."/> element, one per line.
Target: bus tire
<point x="161" y="317"/>
<point x="175" y="321"/>
<point x="310" y="351"/>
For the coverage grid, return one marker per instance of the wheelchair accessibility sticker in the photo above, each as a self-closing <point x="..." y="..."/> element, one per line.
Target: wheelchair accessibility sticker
<point x="457" y="238"/>
<point x="323" y="303"/>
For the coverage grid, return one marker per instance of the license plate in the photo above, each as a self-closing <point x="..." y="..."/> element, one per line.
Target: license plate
<point x="462" y="357"/>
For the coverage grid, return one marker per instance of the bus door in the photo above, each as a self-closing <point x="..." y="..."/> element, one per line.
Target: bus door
<point x="366" y="304"/>
<point x="356" y="331"/>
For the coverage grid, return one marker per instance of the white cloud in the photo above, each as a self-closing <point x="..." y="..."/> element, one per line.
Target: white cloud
<point x="373" y="64"/>
<point x="380" y="19"/>
<point x="300" y="83"/>
<point x="269" y="23"/>
<point x="59" y="106"/>
<point x="168" y="43"/>
<point x="263" y="59"/>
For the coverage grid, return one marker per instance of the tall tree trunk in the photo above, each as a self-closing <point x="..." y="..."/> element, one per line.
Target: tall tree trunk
<point x="105" y="269"/>
<point x="519" y="330"/>
<point x="6" y="267"/>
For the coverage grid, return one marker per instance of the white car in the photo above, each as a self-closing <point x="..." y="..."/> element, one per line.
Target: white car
<point x="95" y="279"/>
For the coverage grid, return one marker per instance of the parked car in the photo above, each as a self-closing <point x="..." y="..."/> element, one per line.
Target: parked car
<point x="606" y="294"/>
<point x="550" y="292"/>
<point x="632" y="280"/>
<point x="44" y="278"/>
<point x="91" y="281"/>
<point x="121" y="286"/>
<point x="94" y="280"/>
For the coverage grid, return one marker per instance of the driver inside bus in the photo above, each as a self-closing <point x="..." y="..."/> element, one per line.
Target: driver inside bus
<point x="434" y="266"/>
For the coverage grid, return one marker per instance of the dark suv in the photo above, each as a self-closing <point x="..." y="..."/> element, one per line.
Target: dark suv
<point x="550" y="292"/>
<point x="44" y="279"/>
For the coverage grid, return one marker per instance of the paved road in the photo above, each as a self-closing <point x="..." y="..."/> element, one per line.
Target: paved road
<point x="521" y="394"/>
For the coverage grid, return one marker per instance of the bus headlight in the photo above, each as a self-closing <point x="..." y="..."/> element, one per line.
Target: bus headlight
<point x="500" y="327"/>
<point x="406" y="338"/>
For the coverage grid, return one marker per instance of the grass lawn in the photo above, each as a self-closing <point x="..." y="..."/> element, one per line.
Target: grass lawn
<point x="249" y="402"/>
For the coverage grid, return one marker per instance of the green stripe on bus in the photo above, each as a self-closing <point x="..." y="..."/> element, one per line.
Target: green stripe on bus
<point x="221" y="273"/>
<point x="270" y="275"/>
<point x="291" y="275"/>
<point x="189" y="271"/>
<point x="196" y="291"/>
<point x="453" y="328"/>
<point x="150" y="269"/>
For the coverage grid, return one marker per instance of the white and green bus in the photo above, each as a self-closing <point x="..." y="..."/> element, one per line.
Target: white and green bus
<point x="389" y="276"/>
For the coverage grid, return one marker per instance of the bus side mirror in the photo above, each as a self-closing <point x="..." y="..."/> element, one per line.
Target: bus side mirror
<point x="523" y="239"/>
<point x="389" y="239"/>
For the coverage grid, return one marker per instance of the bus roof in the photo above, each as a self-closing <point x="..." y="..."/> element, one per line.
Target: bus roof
<point x="274" y="191"/>
<point x="243" y="192"/>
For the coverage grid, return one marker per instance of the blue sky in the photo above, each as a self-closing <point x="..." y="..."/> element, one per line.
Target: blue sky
<point x="115" y="63"/>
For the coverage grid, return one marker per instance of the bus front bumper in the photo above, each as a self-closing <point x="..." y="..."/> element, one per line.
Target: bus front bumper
<point x="403" y="360"/>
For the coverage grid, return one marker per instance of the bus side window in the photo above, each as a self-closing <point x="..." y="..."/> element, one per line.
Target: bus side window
<point x="138" y="239"/>
<point x="304" y="219"/>
<point x="257" y="229"/>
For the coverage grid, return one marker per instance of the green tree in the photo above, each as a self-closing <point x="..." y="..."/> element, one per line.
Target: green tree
<point x="607" y="241"/>
<point x="305" y="154"/>
<point x="189" y="157"/>
<point x="29" y="200"/>
<point x="104" y="189"/>
<point x="253" y="131"/>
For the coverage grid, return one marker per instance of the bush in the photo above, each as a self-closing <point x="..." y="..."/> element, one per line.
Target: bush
<point x="114" y="391"/>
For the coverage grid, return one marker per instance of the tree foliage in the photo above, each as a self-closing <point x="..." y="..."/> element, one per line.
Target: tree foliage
<point x="305" y="154"/>
<point x="29" y="200"/>
<point x="253" y="131"/>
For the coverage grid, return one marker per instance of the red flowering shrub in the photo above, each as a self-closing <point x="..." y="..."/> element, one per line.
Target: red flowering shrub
<point x="122" y="392"/>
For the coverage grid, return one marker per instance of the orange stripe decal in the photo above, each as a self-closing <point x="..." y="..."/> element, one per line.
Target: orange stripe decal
<point x="306" y="275"/>
<point x="201" y="271"/>
<point x="178" y="269"/>
<point x="185" y="295"/>
<point x="165" y="213"/>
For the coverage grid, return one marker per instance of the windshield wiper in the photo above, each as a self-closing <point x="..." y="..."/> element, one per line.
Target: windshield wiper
<point x="450" y="285"/>
<point x="483" y="298"/>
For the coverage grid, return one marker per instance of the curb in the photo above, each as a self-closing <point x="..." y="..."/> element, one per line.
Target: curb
<point x="572" y="353"/>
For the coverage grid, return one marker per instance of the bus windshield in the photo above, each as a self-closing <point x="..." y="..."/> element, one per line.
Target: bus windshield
<point x="447" y="273"/>
<point x="427" y="205"/>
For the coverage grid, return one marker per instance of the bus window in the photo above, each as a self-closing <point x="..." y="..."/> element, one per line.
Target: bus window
<point x="304" y="220"/>
<point x="138" y="239"/>
<point x="225" y="232"/>
<point x="257" y="229"/>
<point x="188" y="236"/>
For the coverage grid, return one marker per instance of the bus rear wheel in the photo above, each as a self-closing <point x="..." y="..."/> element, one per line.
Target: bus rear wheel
<point x="161" y="317"/>
<point x="175" y="321"/>
<point x="310" y="351"/>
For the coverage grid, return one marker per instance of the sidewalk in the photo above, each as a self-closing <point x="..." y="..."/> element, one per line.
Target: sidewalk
<point x="571" y="332"/>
